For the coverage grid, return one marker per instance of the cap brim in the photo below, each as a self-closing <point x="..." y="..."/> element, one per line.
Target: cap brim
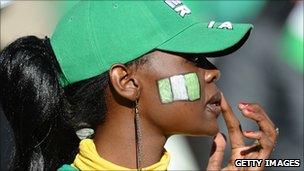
<point x="212" y="41"/>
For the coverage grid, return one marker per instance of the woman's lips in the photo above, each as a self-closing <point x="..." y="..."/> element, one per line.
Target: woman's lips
<point x="214" y="108"/>
<point x="213" y="104"/>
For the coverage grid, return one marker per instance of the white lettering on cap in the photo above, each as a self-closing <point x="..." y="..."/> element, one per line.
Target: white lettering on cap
<point x="211" y="24"/>
<point x="224" y="25"/>
<point x="179" y="7"/>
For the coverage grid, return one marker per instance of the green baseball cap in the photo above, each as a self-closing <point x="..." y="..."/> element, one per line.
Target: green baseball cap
<point x="94" y="35"/>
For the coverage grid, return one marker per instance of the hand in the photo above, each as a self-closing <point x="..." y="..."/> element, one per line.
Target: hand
<point x="266" y="137"/>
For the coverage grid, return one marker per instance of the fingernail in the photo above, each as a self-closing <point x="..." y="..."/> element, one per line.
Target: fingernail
<point x="243" y="105"/>
<point x="247" y="132"/>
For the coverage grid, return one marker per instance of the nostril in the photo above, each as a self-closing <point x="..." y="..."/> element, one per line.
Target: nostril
<point x="212" y="75"/>
<point x="217" y="77"/>
<point x="214" y="79"/>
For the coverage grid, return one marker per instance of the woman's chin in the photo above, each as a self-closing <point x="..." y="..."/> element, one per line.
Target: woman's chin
<point x="214" y="132"/>
<point x="211" y="131"/>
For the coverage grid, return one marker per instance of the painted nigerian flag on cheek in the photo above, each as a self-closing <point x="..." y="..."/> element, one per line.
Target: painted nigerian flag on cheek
<point x="179" y="87"/>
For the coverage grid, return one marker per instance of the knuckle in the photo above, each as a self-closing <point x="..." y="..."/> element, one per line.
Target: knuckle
<point x="234" y="125"/>
<point x="260" y="117"/>
<point x="230" y="127"/>
<point x="257" y="107"/>
<point x="268" y="145"/>
<point x="259" y="134"/>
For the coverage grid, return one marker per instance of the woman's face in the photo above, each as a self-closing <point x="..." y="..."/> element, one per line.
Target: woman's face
<point x="192" y="117"/>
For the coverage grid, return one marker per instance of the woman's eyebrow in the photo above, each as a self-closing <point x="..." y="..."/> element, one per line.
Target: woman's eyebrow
<point x="195" y="60"/>
<point x="200" y="61"/>
<point x="191" y="59"/>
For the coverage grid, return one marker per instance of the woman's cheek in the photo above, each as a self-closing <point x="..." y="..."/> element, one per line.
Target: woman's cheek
<point x="181" y="87"/>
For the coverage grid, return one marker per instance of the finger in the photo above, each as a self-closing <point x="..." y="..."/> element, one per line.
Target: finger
<point x="257" y="109"/>
<point x="256" y="113"/>
<point x="217" y="152"/>
<point x="233" y="125"/>
<point x="265" y="143"/>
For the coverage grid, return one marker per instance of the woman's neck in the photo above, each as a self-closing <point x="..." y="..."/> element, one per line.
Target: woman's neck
<point x="115" y="140"/>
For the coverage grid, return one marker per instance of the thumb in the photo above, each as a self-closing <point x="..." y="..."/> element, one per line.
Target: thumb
<point x="217" y="152"/>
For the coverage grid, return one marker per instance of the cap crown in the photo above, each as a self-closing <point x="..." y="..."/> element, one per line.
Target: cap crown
<point x="96" y="34"/>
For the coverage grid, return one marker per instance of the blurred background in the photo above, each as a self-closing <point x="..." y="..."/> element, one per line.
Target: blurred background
<point x="268" y="69"/>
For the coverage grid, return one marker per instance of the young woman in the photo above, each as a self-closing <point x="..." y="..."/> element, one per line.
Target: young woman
<point x="128" y="75"/>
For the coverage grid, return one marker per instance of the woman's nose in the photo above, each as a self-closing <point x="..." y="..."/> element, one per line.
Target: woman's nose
<point x="212" y="75"/>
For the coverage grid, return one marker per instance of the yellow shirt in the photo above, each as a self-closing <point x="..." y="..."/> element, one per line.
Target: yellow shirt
<point x="89" y="159"/>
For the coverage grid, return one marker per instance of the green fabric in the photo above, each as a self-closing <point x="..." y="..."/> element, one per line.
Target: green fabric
<point x="67" y="167"/>
<point x="165" y="92"/>
<point x="94" y="35"/>
<point x="193" y="86"/>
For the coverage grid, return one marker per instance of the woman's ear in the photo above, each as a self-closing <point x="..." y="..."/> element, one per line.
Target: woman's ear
<point x="124" y="81"/>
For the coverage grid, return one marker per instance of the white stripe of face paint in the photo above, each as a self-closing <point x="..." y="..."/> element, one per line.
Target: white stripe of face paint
<point x="178" y="86"/>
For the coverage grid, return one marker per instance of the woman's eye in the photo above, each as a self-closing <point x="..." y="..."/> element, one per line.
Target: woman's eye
<point x="196" y="61"/>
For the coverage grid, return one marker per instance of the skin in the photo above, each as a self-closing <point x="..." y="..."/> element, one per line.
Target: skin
<point x="116" y="135"/>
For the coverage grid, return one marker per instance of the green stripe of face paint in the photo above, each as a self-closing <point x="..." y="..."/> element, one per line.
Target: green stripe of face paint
<point x="193" y="86"/>
<point x="165" y="92"/>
